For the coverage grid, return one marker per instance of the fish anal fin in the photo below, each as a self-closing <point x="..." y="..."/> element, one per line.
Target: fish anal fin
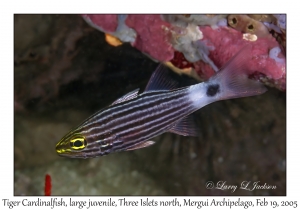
<point x="160" y="80"/>
<point x="141" y="145"/>
<point x="128" y="96"/>
<point x="185" y="127"/>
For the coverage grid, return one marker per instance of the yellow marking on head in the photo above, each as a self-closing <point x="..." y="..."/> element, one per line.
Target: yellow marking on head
<point x="60" y="151"/>
<point x="78" y="143"/>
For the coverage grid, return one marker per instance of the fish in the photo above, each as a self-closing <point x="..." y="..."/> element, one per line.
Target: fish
<point x="130" y="122"/>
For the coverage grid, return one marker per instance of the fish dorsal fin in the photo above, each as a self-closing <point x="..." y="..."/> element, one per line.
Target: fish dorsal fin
<point x="185" y="127"/>
<point x="128" y="96"/>
<point x="160" y="80"/>
<point x="141" y="145"/>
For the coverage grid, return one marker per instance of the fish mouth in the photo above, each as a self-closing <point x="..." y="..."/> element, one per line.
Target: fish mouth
<point x="61" y="148"/>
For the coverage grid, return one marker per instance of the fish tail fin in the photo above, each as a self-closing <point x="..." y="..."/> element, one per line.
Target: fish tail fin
<point x="233" y="78"/>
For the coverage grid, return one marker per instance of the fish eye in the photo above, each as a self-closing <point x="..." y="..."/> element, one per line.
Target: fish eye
<point x="78" y="143"/>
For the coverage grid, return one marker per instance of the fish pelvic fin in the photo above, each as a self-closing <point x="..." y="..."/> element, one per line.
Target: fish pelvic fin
<point x="232" y="80"/>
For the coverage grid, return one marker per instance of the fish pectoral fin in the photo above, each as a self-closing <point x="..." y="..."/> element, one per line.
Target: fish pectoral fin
<point x="128" y="96"/>
<point x="185" y="127"/>
<point x="141" y="145"/>
<point x="161" y="80"/>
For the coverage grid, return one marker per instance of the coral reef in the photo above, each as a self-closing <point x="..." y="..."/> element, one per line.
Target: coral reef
<point x="228" y="41"/>
<point x="113" y="24"/>
<point x="185" y="20"/>
<point x="152" y="38"/>
<point x="246" y="24"/>
<point x="200" y="40"/>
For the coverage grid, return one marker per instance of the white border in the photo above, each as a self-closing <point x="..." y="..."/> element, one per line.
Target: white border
<point x="8" y="8"/>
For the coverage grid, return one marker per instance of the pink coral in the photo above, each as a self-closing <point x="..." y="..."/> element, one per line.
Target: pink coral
<point x="157" y="38"/>
<point x="108" y="23"/>
<point x="152" y="38"/>
<point x="227" y="42"/>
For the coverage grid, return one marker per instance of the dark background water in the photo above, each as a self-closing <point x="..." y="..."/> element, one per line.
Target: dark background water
<point x="64" y="71"/>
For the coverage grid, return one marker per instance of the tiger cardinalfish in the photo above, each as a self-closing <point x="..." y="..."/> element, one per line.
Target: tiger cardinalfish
<point x="131" y="121"/>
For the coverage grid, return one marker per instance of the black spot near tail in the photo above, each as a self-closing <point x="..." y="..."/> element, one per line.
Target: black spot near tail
<point x="212" y="90"/>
